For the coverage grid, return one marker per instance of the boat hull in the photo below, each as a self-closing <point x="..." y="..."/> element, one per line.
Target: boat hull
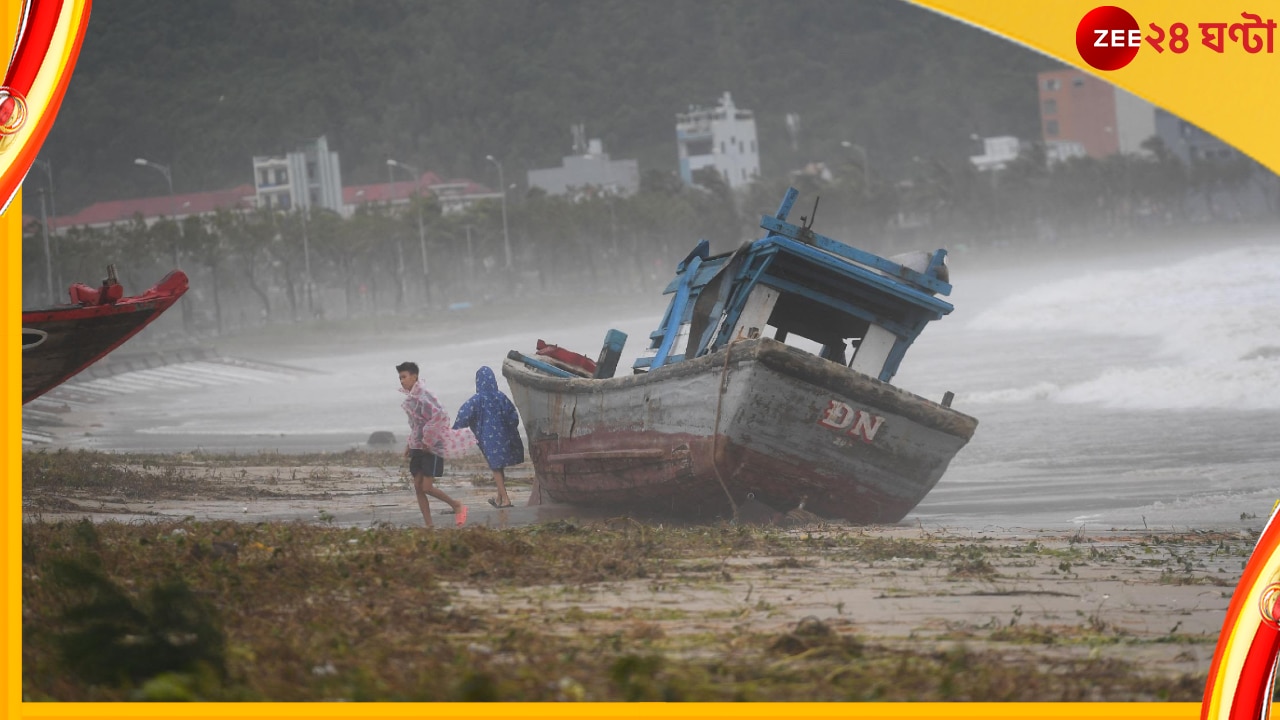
<point x="61" y="341"/>
<point x="759" y="421"/>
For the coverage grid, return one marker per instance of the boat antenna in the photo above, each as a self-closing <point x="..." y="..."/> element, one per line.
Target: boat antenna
<point x="812" y="215"/>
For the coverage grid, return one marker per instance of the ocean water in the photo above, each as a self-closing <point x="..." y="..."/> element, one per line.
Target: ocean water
<point x="1142" y="393"/>
<point x="1137" y="391"/>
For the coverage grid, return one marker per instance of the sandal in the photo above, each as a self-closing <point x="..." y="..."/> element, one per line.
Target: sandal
<point x="494" y="503"/>
<point x="460" y="517"/>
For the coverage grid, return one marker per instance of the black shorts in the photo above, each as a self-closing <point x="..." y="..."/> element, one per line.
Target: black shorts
<point x="422" y="462"/>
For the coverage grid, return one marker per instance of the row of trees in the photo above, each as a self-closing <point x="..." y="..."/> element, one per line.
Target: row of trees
<point x="255" y="266"/>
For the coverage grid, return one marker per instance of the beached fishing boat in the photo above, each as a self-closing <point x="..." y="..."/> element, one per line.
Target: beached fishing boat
<point x="721" y="410"/>
<point x="60" y="341"/>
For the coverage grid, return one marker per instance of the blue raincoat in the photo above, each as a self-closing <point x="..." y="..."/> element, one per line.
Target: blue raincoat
<point x="493" y="419"/>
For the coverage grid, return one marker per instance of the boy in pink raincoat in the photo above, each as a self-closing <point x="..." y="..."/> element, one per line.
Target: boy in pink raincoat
<point x="431" y="440"/>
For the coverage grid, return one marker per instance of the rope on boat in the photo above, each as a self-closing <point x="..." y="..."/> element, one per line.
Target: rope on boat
<point x="715" y="432"/>
<point x="39" y="335"/>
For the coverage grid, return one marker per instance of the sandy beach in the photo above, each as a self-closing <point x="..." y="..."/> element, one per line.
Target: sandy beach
<point x="1151" y="602"/>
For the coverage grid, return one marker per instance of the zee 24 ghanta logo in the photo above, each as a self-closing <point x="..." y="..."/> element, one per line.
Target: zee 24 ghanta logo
<point x="1109" y="38"/>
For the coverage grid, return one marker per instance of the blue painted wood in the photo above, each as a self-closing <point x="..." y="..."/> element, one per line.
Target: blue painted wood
<point x="786" y="286"/>
<point x="809" y="237"/>
<point x="699" y="252"/>
<point x="615" y="340"/>
<point x="645" y="362"/>
<point x="859" y="280"/>
<point x="864" y="276"/>
<point x="538" y="364"/>
<point x="898" y="352"/>
<point x="676" y="311"/>
<point x="706" y="271"/>
<point x="788" y="200"/>
<point x="757" y="260"/>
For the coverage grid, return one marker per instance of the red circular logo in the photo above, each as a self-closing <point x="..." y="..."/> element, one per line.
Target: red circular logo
<point x="1108" y="37"/>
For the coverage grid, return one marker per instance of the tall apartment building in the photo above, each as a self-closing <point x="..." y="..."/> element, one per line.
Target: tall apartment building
<point x="306" y="178"/>
<point x="722" y="137"/>
<point x="1078" y="108"/>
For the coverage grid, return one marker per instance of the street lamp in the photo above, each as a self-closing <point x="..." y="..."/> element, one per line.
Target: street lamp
<point x="506" y="240"/>
<point x="391" y="184"/>
<point x="44" y="224"/>
<point x="173" y="202"/>
<point x="422" y="234"/>
<point x="866" y="164"/>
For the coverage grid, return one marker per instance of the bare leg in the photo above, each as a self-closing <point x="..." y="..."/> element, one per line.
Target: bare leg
<point x="423" y="503"/>
<point x="500" y="479"/>
<point x="425" y="485"/>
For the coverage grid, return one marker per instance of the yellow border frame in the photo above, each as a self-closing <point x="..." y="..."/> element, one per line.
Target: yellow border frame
<point x="1214" y="91"/>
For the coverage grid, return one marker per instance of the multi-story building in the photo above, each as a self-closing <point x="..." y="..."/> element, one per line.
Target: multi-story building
<point x="724" y="138"/>
<point x="588" y="171"/>
<point x="308" y="177"/>
<point x="1078" y="109"/>
<point x="1188" y="141"/>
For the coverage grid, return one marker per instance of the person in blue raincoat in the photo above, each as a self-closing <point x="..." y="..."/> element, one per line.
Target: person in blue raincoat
<point x="493" y="419"/>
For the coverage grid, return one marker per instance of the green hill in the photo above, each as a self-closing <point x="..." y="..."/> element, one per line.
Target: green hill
<point x="203" y="85"/>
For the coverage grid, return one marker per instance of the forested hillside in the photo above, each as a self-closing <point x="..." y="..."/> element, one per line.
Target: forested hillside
<point x="203" y="85"/>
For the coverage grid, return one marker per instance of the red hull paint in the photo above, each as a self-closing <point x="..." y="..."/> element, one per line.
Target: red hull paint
<point x="703" y="436"/>
<point x="67" y="339"/>
<point x="682" y="479"/>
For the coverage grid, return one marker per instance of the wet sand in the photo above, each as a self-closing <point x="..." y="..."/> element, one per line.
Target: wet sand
<point x="1156" y="599"/>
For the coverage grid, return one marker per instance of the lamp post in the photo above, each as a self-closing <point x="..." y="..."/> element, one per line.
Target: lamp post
<point x="422" y="233"/>
<point x="506" y="240"/>
<point x="471" y="259"/>
<point x="44" y="224"/>
<point x="173" y="202"/>
<point x="306" y="260"/>
<point x="866" y="165"/>
<point x="48" y="259"/>
<point x="391" y="184"/>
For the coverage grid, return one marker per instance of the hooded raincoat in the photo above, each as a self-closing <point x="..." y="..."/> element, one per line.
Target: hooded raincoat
<point x="495" y="422"/>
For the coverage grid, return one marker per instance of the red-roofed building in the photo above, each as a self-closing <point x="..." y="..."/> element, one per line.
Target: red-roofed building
<point x="152" y="209"/>
<point x="453" y="195"/>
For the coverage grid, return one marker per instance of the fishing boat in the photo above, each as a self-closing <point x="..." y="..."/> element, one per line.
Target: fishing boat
<point x="60" y="341"/>
<point x="726" y="408"/>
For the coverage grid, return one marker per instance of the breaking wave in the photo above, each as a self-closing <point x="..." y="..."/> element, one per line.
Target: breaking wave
<point x="1216" y="320"/>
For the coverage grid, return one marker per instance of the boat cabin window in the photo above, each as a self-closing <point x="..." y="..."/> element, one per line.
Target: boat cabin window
<point x="806" y="323"/>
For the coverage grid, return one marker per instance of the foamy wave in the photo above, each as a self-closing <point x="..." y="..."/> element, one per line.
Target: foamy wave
<point x="249" y="431"/>
<point x="1039" y="391"/>
<point x="1215" y="307"/>
<point x="1241" y="385"/>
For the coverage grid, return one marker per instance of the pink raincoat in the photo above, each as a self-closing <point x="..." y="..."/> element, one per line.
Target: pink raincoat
<point x="430" y="428"/>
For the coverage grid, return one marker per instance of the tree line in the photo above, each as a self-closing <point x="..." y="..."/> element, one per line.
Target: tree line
<point x="256" y="266"/>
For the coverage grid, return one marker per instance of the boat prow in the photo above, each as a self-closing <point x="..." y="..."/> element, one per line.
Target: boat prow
<point x="60" y="341"/>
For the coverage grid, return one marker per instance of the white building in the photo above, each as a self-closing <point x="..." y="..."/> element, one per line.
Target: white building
<point x="309" y="177"/>
<point x="1057" y="151"/>
<point x="723" y="137"/>
<point x="588" y="170"/>
<point x="997" y="152"/>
